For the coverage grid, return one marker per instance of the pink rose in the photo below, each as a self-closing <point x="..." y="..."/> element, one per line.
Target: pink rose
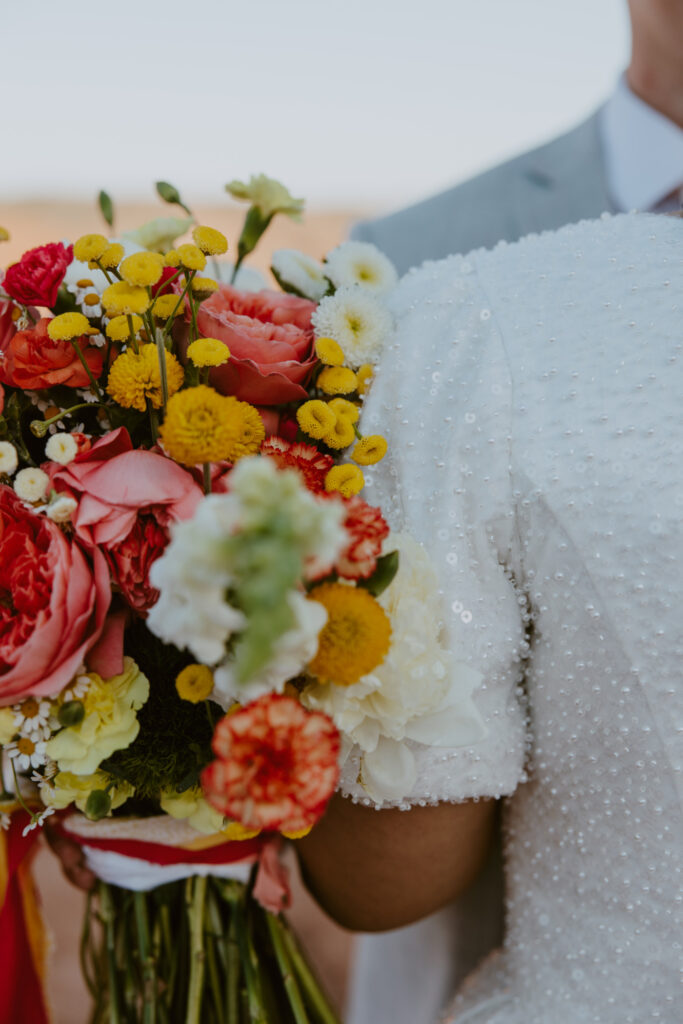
<point x="270" y="338"/>
<point x="32" y="360"/>
<point x="53" y="602"/>
<point x="127" y="498"/>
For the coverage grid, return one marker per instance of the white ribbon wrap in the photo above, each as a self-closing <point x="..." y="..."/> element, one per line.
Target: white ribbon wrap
<point x="134" y="873"/>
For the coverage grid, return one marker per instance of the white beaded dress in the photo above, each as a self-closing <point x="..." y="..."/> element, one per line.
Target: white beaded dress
<point x="533" y="402"/>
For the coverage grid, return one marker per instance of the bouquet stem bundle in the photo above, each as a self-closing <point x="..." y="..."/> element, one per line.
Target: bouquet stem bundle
<point x="196" y="951"/>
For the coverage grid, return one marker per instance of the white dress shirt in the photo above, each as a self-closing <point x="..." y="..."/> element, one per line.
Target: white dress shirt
<point x="643" y="153"/>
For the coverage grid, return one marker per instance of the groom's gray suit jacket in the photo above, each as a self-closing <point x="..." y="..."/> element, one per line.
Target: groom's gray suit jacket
<point x="559" y="183"/>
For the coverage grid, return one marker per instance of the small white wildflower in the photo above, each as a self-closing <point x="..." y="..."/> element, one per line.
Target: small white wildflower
<point x="37" y="820"/>
<point x="31" y="484"/>
<point x="361" y="264"/>
<point x="61" y="510"/>
<point x="9" y="460"/>
<point x="32" y="717"/>
<point x="27" y="753"/>
<point x="4" y="821"/>
<point x="61" y="448"/>
<point x="302" y="272"/>
<point x="357" y="321"/>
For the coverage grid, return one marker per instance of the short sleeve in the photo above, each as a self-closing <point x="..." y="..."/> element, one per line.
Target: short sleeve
<point x="442" y="398"/>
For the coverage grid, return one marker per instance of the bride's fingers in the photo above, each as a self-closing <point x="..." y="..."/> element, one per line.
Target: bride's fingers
<point x="72" y="859"/>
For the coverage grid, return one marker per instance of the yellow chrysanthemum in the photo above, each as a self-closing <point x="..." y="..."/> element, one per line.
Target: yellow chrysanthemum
<point x="208" y="352"/>
<point x="210" y="241"/>
<point x="342" y="407"/>
<point x="90" y="247"/>
<point x="203" y="426"/>
<point x="118" y="329"/>
<point x="136" y="376"/>
<point x="202" y="287"/>
<point x="364" y="373"/>
<point x="370" y="450"/>
<point x="142" y="269"/>
<point x="356" y="637"/>
<point x="194" y="683"/>
<point x="4" y="235"/>
<point x="329" y="352"/>
<point x="172" y="259"/>
<point x="341" y="435"/>
<point x="165" y="306"/>
<point x="337" y="380"/>
<point x="121" y="297"/>
<point x="316" y="418"/>
<point x="112" y="256"/>
<point x="348" y="480"/>
<point x="191" y="256"/>
<point x="67" y="326"/>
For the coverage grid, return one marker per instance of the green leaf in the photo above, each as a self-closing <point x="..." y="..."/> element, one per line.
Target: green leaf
<point x="170" y="194"/>
<point x="106" y="205"/>
<point x="386" y="569"/>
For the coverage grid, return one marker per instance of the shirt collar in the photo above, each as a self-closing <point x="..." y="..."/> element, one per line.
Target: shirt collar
<point x="643" y="151"/>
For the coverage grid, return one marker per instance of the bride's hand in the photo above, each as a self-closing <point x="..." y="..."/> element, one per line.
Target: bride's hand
<point x="71" y="856"/>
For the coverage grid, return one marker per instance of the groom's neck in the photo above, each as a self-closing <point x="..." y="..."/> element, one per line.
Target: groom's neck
<point x="655" y="73"/>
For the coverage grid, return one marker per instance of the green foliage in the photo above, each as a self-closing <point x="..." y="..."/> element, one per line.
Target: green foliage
<point x="385" y="570"/>
<point x="106" y="205"/>
<point x="170" y="194"/>
<point x="255" y="224"/>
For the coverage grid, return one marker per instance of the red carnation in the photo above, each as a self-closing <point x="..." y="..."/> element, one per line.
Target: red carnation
<point x="312" y="464"/>
<point x="367" y="529"/>
<point x="277" y="765"/>
<point x="36" y="278"/>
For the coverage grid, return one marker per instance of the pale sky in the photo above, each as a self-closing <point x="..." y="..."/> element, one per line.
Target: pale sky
<point x="373" y="102"/>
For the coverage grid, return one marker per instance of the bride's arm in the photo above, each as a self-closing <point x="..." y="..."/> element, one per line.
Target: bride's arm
<point x="375" y="870"/>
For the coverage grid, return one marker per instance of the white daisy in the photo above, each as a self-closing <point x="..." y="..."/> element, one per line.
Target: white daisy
<point x="32" y="717"/>
<point x="357" y="321"/>
<point x="362" y="264"/>
<point x="301" y="272"/>
<point x="27" y="752"/>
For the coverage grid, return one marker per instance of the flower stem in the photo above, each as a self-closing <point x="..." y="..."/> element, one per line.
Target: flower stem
<point x="108" y="919"/>
<point x="207" y="477"/>
<point x="97" y="390"/>
<point x="146" y="957"/>
<point x="196" y="894"/>
<point x="288" y="977"/>
<point x="131" y="332"/>
<point x="313" y="992"/>
<point x="163" y="371"/>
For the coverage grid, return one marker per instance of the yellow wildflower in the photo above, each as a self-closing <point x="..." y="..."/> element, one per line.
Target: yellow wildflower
<point x="364" y="373"/>
<point x="67" y="326"/>
<point x="342" y="407"/>
<point x="356" y="637"/>
<point x="194" y="683"/>
<point x="370" y="450"/>
<point x="121" y="297"/>
<point x="136" y="376"/>
<point x="210" y="241"/>
<point x="191" y="806"/>
<point x="203" y="426"/>
<point x="329" y="352"/>
<point x="166" y="306"/>
<point x="337" y="380"/>
<point x="68" y="788"/>
<point x="315" y="418"/>
<point x="202" y="287"/>
<point x="118" y="330"/>
<point x="341" y="435"/>
<point x="348" y="480"/>
<point x="172" y="259"/>
<point x="142" y="269"/>
<point x="191" y="256"/>
<point x="208" y="352"/>
<point x="90" y="247"/>
<point x="112" y="256"/>
<point x="4" y="234"/>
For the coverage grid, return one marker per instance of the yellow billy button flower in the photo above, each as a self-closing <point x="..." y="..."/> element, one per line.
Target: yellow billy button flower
<point x="315" y="418"/>
<point x="364" y="373"/>
<point x="4" y="235"/>
<point x="202" y="287"/>
<point x="172" y="259"/>
<point x="329" y="352"/>
<point x="122" y="298"/>
<point x="166" y="306"/>
<point x="356" y="637"/>
<point x="238" y="833"/>
<point x="142" y="269"/>
<point x="341" y="435"/>
<point x="348" y="480"/>
<point x="194" y="683"/>
<point x="297" y="835"/>
<point x="203" y="426"/>
<point x="112" y="256"/>
<point x="210" y="241"/>
<point x="136" y="376"/>
<point x="342" y="407"/>
<point x="119" y="330"/>
<point x="68" y="326"/>
<point x="90" y="247"/>
<point x="191" y="256"/>
<point x="208" y="352"/>
<point x="337" y="380"/>
<point x="370" y="450"/>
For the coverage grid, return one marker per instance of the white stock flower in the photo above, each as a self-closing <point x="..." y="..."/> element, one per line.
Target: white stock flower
<point x="9" y="460"/>
<point x="302" y="272"/>
<point x="31" y="484"/>
<point x="418" y="693"/>
<point x="61" y="448"/>
<point x="361" y="264"/>
<point x="357" y="321"/>
<point x="61" y="510"/>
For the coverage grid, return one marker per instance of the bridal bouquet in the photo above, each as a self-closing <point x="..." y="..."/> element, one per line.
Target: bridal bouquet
<point x="200" y="616"/>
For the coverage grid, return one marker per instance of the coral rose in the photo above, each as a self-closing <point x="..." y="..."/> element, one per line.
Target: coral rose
<point x="277" y="765"/>
<point x="53" y="602"/>
<point x="38" y="274"/>
<point x="32" y="360"/>
<point x="270" y="338"/>
<point x="127" y="499"/>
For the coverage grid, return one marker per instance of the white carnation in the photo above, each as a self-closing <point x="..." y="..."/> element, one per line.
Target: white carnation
<point x="361" y="264"/>
<point x="357" y="321"/>
<point x="9" y="460"/>
<point x="31" y="484"/>
<point x="301" y="272"/>
<point x="61" y="448"/>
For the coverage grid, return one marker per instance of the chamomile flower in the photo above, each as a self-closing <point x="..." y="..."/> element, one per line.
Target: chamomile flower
<point x="37" y="820"/>
<point x="361" y="264"/>
<point x="27" y="752"/>
<point x="32" y="717"/>
<point x="301" y="272"/>
<point x="357" y="321"/>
